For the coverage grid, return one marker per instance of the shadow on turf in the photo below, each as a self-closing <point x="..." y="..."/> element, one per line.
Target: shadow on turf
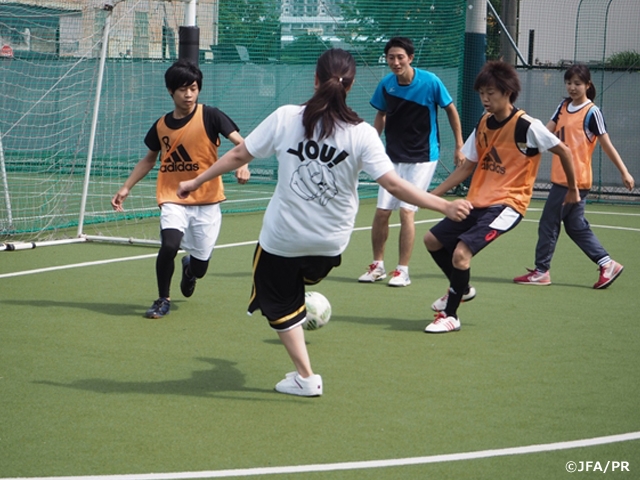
<point x="397" y="324"/>
<point x="475" y="279"/>
<point x="223" y="377"/>
<point x="115" y="309"/>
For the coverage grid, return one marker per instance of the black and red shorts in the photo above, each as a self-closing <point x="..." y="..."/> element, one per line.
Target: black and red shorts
<point x="479" y="229"/>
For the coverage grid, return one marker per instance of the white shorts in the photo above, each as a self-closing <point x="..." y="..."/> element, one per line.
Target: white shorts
<point x="200" y="225"/>
<point x="419" y="174"/>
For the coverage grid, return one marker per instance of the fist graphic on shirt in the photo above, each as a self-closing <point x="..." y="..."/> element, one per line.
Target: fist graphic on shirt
<point x="312" y="181"/>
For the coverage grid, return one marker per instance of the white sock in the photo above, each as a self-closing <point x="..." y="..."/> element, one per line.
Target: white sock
<point x="603" y="262"/>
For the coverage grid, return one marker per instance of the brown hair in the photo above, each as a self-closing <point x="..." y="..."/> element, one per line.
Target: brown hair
<point x="500" y="75"/>
<point x="336" y="71"/>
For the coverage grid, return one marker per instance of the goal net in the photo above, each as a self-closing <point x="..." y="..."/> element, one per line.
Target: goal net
<point x="82" y="81"/>
<point x="73" y="115"/>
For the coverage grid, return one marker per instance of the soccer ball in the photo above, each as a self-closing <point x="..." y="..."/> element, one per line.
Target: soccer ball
<point x="318" y="311"/>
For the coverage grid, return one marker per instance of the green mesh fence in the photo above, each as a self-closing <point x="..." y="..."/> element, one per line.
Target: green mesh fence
<point x="604" y="35"/>
<point x="255" y="56"/>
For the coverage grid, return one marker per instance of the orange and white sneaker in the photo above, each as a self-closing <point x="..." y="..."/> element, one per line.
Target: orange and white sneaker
<point x="443" y="324"/>
<point x="534" y="277"/>
<point x="608" y="273"/>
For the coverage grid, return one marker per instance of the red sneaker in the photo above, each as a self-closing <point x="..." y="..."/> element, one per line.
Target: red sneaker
<point x="608" y="273"/>
<point x="534" y="277"/>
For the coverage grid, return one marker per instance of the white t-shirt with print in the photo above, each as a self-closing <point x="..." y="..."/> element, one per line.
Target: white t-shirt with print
<point x="313" y="208"/>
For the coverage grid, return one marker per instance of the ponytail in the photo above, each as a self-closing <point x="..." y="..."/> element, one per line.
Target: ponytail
<point x="335" y="73"/>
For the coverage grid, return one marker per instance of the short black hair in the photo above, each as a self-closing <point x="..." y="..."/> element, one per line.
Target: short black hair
<point x="400" y="42"/>
<point x="182" y="74"/>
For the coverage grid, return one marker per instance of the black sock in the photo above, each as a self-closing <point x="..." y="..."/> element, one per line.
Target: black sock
<point x="443" y="259"/>
<point x="459" y="283"/>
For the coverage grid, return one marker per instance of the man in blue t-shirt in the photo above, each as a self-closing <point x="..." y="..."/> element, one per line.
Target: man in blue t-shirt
<point x="407" y="102"/>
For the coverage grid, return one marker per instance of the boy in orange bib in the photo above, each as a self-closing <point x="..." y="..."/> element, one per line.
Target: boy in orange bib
<point x="186" y="141"/>
<point x="505" y="150"/>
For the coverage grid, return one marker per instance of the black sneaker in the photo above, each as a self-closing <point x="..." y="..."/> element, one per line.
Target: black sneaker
<point x="159" y="309"/>
<point x="187" y="284"/>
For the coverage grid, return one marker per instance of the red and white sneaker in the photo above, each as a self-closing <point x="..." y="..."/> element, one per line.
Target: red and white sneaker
<point x="608" y="273"/>
<point x="373" y="274"/>
<point x="399" y="279"/>
<point x="534" y="277"/>
<point x="443" y="324"/>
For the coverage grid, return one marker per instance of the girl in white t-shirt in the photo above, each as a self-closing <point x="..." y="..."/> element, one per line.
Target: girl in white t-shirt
<point x="321" y="146"/>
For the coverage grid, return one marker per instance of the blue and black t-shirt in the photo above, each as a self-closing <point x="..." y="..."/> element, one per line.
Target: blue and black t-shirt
<point x="411" y="127"/>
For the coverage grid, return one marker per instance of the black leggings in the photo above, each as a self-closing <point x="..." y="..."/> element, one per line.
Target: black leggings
<point x="165" y="262"/>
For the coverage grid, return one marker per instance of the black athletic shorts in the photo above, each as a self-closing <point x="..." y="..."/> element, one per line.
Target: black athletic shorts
<point x="479" y="229"/>
<point x="279" y="283"/>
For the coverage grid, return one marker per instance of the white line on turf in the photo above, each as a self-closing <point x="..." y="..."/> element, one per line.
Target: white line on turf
<point x="229" y="245"/>
<point x="104" y="262"/>
<point x="610" y="227"/>
<point x="327" y="467"/>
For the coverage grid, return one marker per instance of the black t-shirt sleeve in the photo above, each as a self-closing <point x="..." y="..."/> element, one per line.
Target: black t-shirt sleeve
<point x="151" y="140"/>
<point x="217" y="123"/>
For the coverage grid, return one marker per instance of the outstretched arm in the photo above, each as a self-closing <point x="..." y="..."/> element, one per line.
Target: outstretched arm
<point x="407" y="192"/>
<point x="234" y="159"/>
<point x="614" y="156"/>
<point x="242" y="174"/>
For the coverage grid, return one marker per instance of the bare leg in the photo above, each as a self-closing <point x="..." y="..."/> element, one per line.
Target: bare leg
<point x="293" y="341"/>
<point x="380" y="233"/>
<point x="407" y="236"/>
<point x="462" y="256"/>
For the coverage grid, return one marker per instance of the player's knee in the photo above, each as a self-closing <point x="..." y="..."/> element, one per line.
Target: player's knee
<point x="406" y="215"/>
<point x="431" y="242"/>
<point x="171" y="240"/>
<point x="462" y="257"/>
<point x="382" y="214"/>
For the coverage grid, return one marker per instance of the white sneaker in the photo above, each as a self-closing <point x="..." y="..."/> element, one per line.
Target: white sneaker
<point x="440" y="304"/>
<point x="294" y="384"/>
<point x="373" y="274"/>
<point x="399" y="279"/>
<point x="443" y="324"/>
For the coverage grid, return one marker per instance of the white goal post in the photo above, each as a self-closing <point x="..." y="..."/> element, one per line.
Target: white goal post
<point x="56" y="175"/>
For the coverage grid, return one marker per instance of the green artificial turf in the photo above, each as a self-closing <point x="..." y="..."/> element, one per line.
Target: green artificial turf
<point x="90" y="387"/>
